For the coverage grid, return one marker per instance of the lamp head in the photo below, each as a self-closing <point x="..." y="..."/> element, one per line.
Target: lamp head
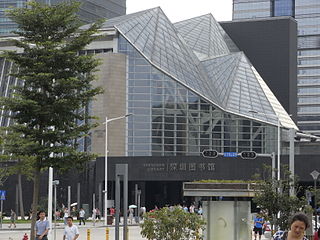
<point x="315" y="174"/>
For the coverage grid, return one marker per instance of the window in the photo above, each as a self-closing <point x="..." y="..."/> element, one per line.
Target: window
<point x="283" y="8"/>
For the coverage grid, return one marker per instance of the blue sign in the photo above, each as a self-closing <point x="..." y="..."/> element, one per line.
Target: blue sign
<point x="230" y="154"/>
<point x="3" y="194"/>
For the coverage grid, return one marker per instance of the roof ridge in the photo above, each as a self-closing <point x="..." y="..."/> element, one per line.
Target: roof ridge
<point x="236" y="69"/>
<point x="219" y="56"/>
<point x="193" y="18"/>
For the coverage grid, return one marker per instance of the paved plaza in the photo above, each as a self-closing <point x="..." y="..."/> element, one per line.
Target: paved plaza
<point x="97" y="232"/>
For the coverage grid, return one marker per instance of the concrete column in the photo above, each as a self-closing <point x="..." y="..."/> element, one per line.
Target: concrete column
<point x="69" y="200"/>
<point x="17" y="199"/>
<point x="125" y="201"/>
<point x="50" y="199"/>
<point x="121" y="172"/>
<point x="100" y="196"/>
<point x="78" y="195"/>
<point x="117" y="207"/>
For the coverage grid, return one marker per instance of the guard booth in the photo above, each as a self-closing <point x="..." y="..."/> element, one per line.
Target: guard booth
<point x="226" y="208"/>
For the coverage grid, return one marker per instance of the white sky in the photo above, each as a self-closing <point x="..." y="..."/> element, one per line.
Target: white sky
<point x="178" y="10"/>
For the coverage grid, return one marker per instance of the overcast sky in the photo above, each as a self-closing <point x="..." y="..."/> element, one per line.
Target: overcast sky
<point x="178" y="10"/>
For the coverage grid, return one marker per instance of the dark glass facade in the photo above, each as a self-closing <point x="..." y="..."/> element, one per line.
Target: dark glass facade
<point x="90" y="11"/>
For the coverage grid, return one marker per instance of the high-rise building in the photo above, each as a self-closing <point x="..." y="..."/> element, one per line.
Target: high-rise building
<point x="90" y="11"/>
<point x="307" y="15"/>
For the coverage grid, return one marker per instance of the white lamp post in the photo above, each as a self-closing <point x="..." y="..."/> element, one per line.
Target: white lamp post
<point x="50" y="188"/>
<point x="106" y="165"/>
<point x="315" y="174"/>
<point x="279" y="140"/>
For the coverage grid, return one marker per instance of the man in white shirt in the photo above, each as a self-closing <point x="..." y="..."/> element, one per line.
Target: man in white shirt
<point x="71" y="231"/>
<point x="82" y="216"/>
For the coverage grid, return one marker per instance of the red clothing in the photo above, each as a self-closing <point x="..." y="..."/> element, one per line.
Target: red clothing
<point x="112" y="211"/>
<point x="316" y="236"/>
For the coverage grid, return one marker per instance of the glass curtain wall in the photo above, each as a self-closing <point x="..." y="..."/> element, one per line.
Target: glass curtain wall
<point x="243" y="9"/>
<point x="170" y="119"/>
<point x="6" y="25"/>
<point x="307" y="15"/>
<point x="283" y="8"/>
<point x="308" y="18"/>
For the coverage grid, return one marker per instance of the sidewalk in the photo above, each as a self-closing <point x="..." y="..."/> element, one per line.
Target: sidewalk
<point x="96" y="233"/>
<point x="27" y="226"/>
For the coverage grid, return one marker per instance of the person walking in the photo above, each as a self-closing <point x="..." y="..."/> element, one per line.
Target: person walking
<point x="42" y="226"/>
<point x="65" y="215"/>
<point x="94" y="216"/>
<point x="82" y="216"/>
<point x="258" y="225"/>
<point x="13" y="217"/>
<point x="98" y="214"/>
<point x="298" y="224"/>
<point x="131" y="215"/>
<point x="71" y="231"/>
<point x="191" y="208"/>
<point x="317" y="235"/>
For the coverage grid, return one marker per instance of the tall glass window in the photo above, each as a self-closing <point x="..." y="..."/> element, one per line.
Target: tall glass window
<point x="251" y="9"/>
<point x="283" y="8"/>
<point x="171" y="120"/>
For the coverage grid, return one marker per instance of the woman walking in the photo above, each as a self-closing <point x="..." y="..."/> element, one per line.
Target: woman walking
<point x="298" y="225"/>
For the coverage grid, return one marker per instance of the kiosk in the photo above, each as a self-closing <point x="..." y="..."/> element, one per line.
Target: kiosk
<point x="226" y="208"/>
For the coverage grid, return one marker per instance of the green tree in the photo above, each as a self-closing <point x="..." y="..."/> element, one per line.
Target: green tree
<point x="172" y="224"/>
<point x="56" y="90"/>
<point x="3" y="174"/>
<point x="273" y="197"/>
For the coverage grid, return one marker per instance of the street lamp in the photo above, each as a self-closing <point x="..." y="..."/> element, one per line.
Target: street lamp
<point x="315" y="174"/>
<point x="106" y="165"/>
<point x="278" y="140"/>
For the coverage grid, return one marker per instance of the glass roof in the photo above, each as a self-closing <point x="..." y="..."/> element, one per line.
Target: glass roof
<point x="200" y="55"/>
<point x="203" y="35"/>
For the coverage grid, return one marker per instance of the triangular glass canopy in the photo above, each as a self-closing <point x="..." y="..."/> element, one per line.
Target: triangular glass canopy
<point x="200" y="55"/>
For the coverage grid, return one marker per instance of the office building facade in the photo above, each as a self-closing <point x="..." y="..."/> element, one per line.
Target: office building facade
<point x="90" y="11"/>
<point x="307" y="15"/>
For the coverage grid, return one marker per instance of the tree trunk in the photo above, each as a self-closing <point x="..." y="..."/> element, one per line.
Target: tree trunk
<point x="20" y="197"/>
<point x="35" y="202"/>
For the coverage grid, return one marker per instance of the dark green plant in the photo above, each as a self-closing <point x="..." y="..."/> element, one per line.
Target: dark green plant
<point x="54" y="91"/>
<point x="273" y="197"/>
<point x="172" y="224"/>
<point x="224" y="181"/>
